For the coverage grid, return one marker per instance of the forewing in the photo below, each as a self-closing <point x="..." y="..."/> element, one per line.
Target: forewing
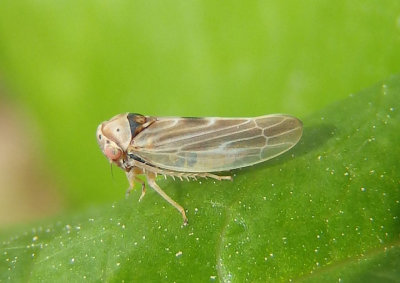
<point x="215" y="144"/>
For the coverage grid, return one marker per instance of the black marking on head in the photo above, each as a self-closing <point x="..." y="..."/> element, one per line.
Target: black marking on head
<point x="99" y="137"/>
<point x="135" y="122"/>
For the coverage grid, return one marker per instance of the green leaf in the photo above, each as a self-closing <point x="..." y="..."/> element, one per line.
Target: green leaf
<point x="327" y="210"/>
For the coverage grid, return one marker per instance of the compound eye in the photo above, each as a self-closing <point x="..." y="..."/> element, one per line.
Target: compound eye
<point x="112" y="153"/>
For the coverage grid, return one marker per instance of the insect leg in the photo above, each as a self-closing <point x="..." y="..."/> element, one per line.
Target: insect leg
<point x="143" y="188"/>
<point x="217" y="177"/>
<point x="132" y="177"/>
<point x="152" y="182"/>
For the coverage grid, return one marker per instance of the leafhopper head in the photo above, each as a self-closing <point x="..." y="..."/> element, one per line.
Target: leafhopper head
<point x="113" y="137"/>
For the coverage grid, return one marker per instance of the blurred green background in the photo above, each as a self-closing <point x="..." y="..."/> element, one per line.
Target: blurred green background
<point x="65" y="66"/>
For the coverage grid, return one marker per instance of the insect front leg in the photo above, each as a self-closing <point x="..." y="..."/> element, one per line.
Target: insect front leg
<point x="132" y="177"/>
<point x="151" y="179"/>
<point x="143" y="188"/>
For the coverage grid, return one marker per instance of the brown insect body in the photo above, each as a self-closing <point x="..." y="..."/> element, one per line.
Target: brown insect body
<point x="192" y="147"/>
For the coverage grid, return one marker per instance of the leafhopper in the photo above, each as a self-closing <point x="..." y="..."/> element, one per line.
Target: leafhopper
<point x="187" y="148"/>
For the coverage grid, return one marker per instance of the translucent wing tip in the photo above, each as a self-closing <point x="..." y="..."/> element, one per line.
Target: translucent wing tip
<point x="282" y="131"/>
<point x="297" y="125"/>
<point x="294" y="127"/>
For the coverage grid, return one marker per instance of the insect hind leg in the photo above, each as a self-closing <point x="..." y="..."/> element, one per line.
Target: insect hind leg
<point x="146" y="168"/>
<point x="213" y="176"/>
<point x="151" y="179"/>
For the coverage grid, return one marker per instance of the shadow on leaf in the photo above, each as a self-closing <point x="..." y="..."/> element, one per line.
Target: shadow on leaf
<point x="314" y="137"/>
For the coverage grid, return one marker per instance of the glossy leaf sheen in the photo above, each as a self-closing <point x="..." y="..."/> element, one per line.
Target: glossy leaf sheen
<point x="326" y="210"/>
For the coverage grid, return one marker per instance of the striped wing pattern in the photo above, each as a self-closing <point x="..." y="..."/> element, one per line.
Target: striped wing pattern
<point x="215" y="144"/>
